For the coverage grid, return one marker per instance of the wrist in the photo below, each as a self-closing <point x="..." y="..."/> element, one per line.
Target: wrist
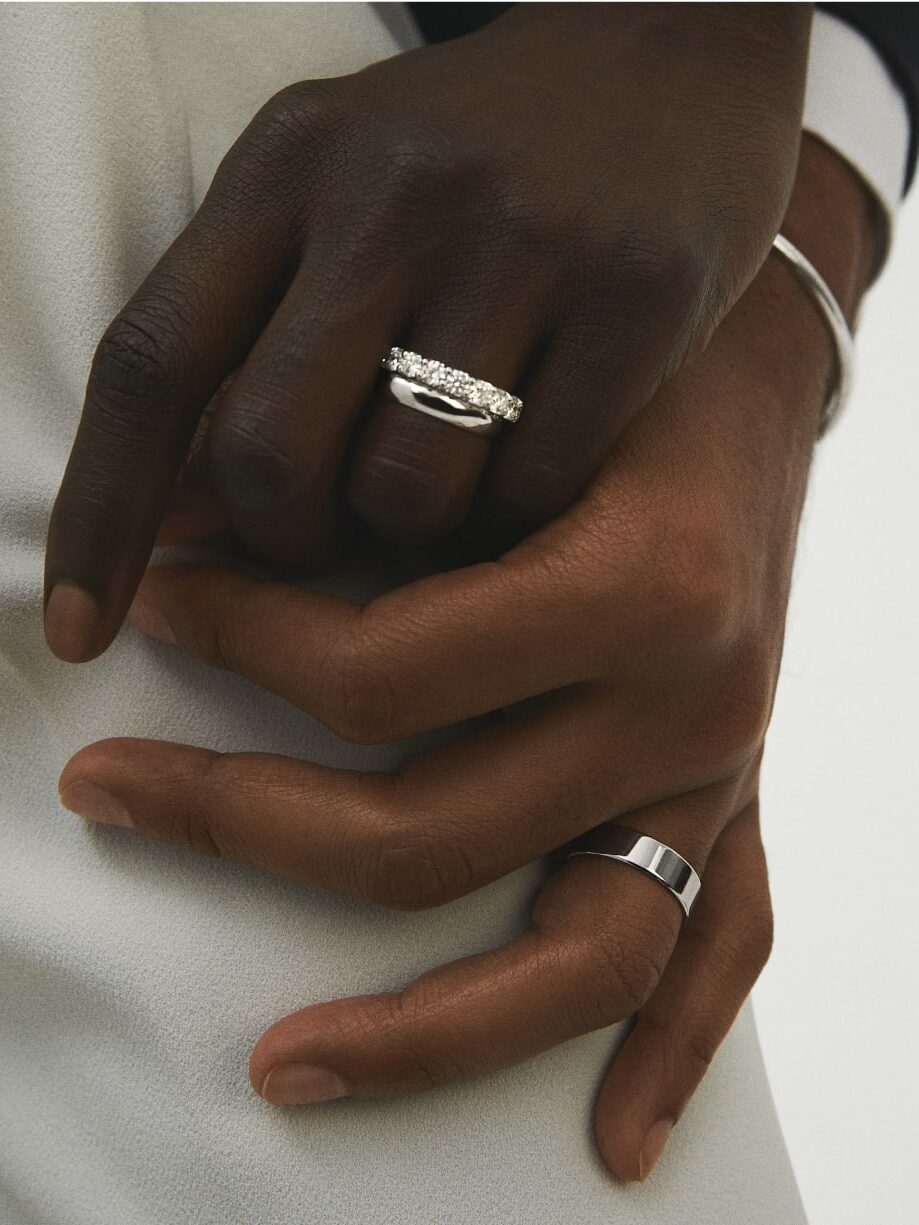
<point x="834" y="220"/>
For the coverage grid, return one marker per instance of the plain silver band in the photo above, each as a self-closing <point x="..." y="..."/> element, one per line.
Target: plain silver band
<point x="655" y="858"/>
<point x="835" y="320"/>
<point x="438" y="404"/>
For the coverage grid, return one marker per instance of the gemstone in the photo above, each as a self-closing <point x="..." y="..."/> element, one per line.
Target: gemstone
<point x="478" y="393"/>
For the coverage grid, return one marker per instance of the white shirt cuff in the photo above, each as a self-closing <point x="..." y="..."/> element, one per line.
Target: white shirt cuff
<point x="853" y="105"/>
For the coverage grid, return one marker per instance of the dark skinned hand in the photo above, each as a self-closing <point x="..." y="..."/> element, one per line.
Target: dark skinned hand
<point x="637" y="641"/>
<point x="565" y="203"/>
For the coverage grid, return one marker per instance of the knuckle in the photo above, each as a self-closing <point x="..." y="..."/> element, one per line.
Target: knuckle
<point x="189" y="820"/>
<point x="626" y="972"/>
<point x="404" y="494"/>
<point x="699" y="1050"/>
<point x="138" y="363"/>
<point x="420" y="155"/>
<point x="738" y="957"/>
<point x="357" y="696"/>
<point x="223" y="641"/>
<point x="695" y="597"/>
<point x="539" y="486"/>
<point x="526" y="228"/>
<point x="691" y="1045"/>
<point x="758" y="937"/>
<point x="639" y="298"/>
<point x="253" y="469"/>
<point x="635" y="975"/>
<point x="739" y="948"/>
<point x="739" y="703"/>
<point x="421" y="1061"/>
<point x="290" y="141"/>
<point x="413" y="869"/>
<point x="296" y="119"/>
<point x="665" y="272"/>
<point x="189" y="827"/>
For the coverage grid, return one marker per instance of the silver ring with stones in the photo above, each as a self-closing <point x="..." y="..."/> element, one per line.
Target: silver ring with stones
<point x="447" y="394"/>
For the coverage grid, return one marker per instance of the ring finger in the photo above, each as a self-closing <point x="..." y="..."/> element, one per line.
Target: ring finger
<point x="413" y="476"/>
<point x="599" y="939"/>
<point x="714" y="967"/>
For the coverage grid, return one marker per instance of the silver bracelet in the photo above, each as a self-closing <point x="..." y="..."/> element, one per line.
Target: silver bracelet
<point x="835" y="320"/>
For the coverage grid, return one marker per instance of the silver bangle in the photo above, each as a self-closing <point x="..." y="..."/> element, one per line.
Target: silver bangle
<point x="835" y="320"/>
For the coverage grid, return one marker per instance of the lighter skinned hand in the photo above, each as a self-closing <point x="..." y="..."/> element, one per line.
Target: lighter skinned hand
<point x="565" y="203"/>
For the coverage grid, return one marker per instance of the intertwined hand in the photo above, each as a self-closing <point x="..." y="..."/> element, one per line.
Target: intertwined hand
<point x="565" y="203"/>
<point x="635" y="641"/>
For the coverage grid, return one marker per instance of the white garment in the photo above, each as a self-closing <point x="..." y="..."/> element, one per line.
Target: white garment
<point x="854" y="105"/>
<point x="135" y="976"/>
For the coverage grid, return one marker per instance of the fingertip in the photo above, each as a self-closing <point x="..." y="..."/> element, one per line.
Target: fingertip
<point x="301" y="1084"/>
<point x="620" y="1151"/>
<point x="623" y="1120"/>
<point x="652" y="1146"/>
<point x="118" y="763"/>
<point x="88" y="767"/>
<point x="85" y="799"/>
<point x="631" y="1155"/>
<point x="74" y="627"/>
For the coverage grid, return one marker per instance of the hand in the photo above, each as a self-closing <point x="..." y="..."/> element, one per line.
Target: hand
<point x="565" y="203"/>
<point x="640" y="634"/>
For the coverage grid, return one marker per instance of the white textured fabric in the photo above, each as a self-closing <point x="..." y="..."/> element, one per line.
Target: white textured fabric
<point x="852" y="103"/>
<point x="136" y="976"/>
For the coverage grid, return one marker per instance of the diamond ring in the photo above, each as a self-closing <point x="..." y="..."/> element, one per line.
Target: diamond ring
<point x="445" y="393"/>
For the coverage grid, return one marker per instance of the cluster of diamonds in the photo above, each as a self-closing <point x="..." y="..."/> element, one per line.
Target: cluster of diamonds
<point x="456" y="383"/>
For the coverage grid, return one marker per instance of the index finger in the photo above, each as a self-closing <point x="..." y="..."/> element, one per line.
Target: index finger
<point x="158" y="363"/>
<point x="443" y="648"/>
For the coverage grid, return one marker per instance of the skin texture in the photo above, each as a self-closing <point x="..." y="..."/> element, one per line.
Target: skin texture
<point x="635" y="641"/>
<point x="634" y="160"/>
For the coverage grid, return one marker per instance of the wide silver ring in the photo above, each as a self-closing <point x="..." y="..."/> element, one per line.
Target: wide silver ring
<point x="448" y="394"/>
<point x="437" y="404"/>
<point x="654" y="858"/>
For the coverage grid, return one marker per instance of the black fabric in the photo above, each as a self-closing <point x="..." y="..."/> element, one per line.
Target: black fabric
<point x="892" y="28"/>
<point x="894" y="31"/>
<point x="440" y="22"/>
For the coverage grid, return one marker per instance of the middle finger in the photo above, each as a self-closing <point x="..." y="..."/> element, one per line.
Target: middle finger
<point x="454" y="819"/>
<point x="277" y="439"/>
<point x="599" y="939"/>
<point x="413" y="477"/>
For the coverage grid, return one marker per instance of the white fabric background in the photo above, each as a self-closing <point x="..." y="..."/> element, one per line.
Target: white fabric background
<point x="134" y="976"/>
<point x="838" y="1006"/>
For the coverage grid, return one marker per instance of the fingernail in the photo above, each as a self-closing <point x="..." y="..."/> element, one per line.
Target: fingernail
<point x="95" y="804"/>
<point x="653" y="1146"/>
<point x="73" y="623"/>
<point x="299" y="1084"/>
<point x="149" y="620"/>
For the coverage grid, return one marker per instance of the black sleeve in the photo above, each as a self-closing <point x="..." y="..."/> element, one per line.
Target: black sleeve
<point x="894" y="31"/>
<point x="892" y="28"/>
<point x="440" y="22"/>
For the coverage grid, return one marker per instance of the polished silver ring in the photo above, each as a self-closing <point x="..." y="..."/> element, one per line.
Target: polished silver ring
<point x="445" y="393"/>
<point x="654" y="858"/>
